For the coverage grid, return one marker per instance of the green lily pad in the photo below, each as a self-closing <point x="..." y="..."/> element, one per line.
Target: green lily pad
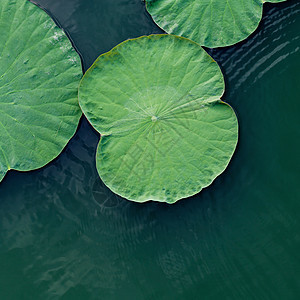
<point x="211" y="23"/>
<point x="165" y="133"/>
<point x="39" y="75"/>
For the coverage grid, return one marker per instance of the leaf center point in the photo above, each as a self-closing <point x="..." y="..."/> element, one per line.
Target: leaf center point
<point x="154" y="118"/>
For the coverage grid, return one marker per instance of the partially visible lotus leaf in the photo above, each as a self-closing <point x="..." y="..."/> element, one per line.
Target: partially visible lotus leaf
<point x="211" y="23"/>
<point x="39" y="76"/>
<point x="165" y="132"/>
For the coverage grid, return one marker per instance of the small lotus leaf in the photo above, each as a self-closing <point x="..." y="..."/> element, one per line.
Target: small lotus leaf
<point x="39" y="76"/>
<point x="165" y="132"/>
<point x="211" y="23"/>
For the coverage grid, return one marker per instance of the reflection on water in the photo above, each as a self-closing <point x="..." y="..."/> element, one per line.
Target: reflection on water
<point x="64" y="235"/>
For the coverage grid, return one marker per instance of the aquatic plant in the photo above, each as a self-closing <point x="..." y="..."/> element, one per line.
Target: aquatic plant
<point x="39" y="76"/>
<point x="155" y="100"/>
<point x="165" y="133"/>
<point x="211" y="23"/>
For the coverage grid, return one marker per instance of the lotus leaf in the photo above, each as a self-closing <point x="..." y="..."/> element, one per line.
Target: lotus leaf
<point x="39" y="76"/>
<point x="165" y="133"/>
<point x="211" y="23"/>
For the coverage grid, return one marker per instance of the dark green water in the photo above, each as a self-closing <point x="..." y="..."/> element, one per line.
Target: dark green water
<point x="64" y="235"/>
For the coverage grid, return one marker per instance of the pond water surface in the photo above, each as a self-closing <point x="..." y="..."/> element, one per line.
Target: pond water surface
<point x="64" y="235"/>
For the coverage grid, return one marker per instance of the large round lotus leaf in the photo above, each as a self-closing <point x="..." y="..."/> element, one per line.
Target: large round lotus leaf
<point x="39" y="75"/>
<point x="165" y="133"/>
<point x="211" y="23"/>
